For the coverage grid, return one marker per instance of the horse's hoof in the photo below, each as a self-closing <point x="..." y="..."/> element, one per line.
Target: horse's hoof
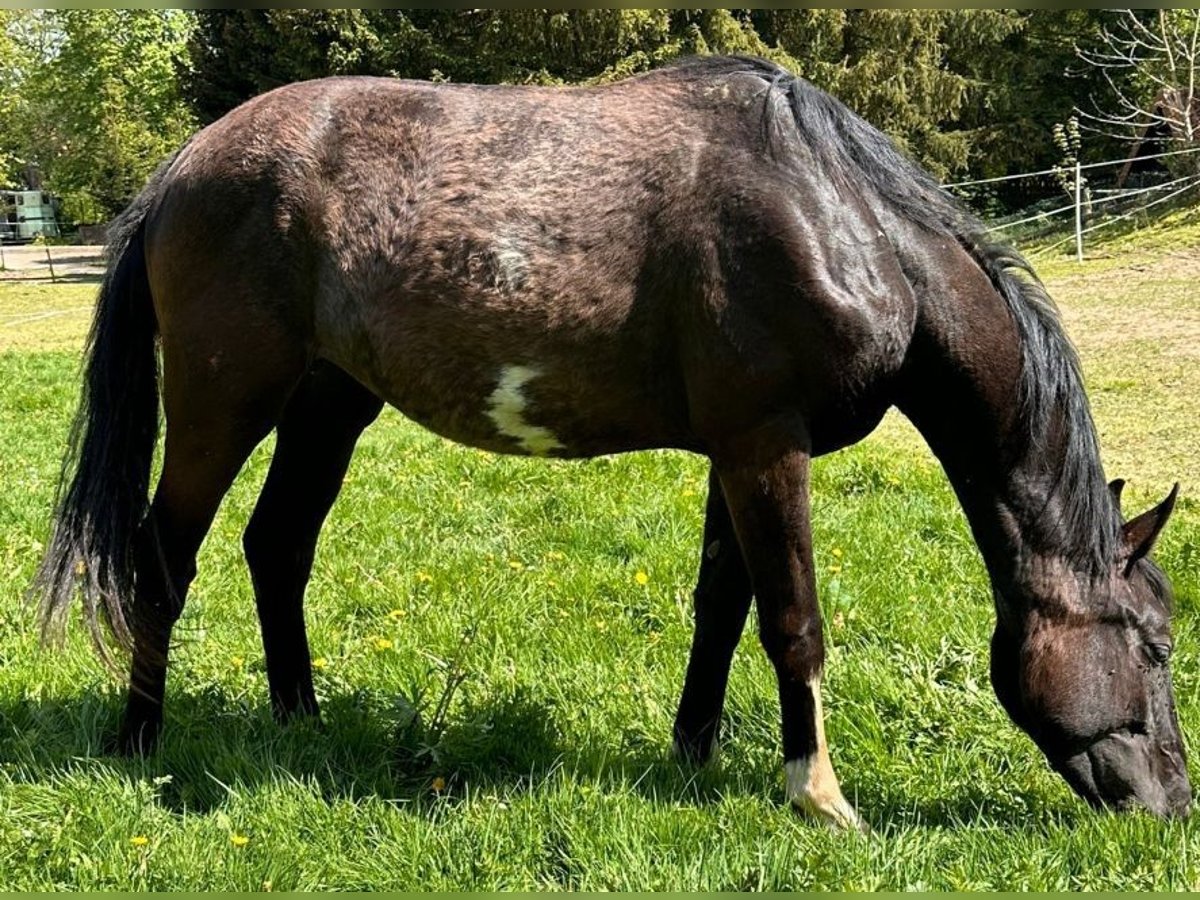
<point x="136" y="741"/>
<point x="693" y="753"/>
<point x="310" y="716"/>
<point x="813" y="790"/>
<point x="841" y="817"/>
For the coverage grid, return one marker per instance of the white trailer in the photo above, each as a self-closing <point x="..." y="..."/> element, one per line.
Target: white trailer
<point x="27" y="215"/>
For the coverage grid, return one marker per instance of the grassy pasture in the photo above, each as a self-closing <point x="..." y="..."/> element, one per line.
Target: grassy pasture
<point x="498" y="684"/>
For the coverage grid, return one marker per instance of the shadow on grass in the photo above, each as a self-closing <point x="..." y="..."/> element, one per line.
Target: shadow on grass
<point x="366" y="746"/>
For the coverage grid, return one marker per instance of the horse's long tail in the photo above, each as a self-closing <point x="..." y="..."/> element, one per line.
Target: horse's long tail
<point x="104" y="483"/>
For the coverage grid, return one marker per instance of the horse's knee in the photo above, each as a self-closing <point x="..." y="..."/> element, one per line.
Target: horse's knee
<point x="257" y="546"/>
<point x="277" y="555"/>
<point x="262" y="547"/>
<point x="723" y="586"/>
<point x="797" y="651"/>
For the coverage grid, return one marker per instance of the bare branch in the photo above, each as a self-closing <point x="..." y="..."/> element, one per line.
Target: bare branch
<point x="1150" y="65"/>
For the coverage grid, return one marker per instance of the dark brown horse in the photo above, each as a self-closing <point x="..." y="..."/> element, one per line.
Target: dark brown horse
<point x="715" y="257"/>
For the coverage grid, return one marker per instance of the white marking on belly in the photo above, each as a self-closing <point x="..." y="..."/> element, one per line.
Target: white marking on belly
<point x="508" y="404"/>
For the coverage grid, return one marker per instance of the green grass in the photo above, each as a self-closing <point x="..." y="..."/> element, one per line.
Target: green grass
<point x="549" y="768"/>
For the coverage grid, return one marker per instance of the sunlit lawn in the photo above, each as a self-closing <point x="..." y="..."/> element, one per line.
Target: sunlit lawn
<point x="550" y="767"/>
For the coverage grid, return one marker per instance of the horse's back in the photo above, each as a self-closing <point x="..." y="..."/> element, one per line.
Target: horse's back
<point x="525" y="269"/>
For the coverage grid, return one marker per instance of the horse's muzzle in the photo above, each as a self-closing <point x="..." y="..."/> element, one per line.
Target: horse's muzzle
<point x="1124" y="771"/>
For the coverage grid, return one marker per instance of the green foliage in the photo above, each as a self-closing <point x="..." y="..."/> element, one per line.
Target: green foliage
<point x="18" y="55"/>
<point x="82" y="206"/>
<point x="233" y="55"/>
<point x="893" y="66"/>
<point x="98" y="96"/>
<point x="98" y="101"/>
<point x="1024" y="85"/>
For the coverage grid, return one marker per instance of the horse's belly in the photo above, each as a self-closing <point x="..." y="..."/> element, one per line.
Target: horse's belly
<point x="523" y="405"/>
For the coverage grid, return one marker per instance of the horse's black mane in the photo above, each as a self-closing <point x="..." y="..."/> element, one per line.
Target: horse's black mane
<point x="1052" y="395"/>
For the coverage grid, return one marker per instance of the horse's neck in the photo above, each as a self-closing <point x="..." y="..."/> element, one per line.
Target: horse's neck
<point x="962" y="391"/>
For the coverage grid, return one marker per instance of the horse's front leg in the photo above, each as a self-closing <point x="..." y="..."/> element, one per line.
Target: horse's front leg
<point x="722" y="600"/>
<point x="765" y="479"/>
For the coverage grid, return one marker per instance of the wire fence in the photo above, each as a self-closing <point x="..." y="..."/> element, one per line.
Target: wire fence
<point x="1087" y="203"/>
<point x="51" y="262"/>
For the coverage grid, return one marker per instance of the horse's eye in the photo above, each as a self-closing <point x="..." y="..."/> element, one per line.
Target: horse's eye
<point x="1160" y="653"/>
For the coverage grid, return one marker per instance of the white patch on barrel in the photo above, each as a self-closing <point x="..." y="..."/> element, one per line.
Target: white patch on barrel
<point x="508" y="405"/>
<point x="512" y="264"/>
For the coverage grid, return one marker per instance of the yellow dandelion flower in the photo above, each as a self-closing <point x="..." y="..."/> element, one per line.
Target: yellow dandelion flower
<point x="833" y="570"/>
<point x="424" y="578"/>
<point x="556" y="555"/>
<point x="239" y="840"/>
<point x="687" y="492"/>
<point x="516" y="565"/>
<point x="320" y="663"/>
<point x="139" y="840"/>
<point x="397" y="614"/>
<point x="641" y="578"/>
<point x="382" y="644"/>
<point x="550" y="582"/>
<point x="237" y="662"/>
<point x="837" y="551"/>
<point x="439" y="784"/>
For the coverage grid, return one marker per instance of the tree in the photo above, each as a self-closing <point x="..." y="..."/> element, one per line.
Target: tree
<point x="1025" y="85"/>
<point x="959" y="89"/>
<point x="1150" y="62"/>
<point x="911" y="73"/>
<point x="98" y="102"/>
<point x="23" y="36"/>
<point x="235" y="54"/>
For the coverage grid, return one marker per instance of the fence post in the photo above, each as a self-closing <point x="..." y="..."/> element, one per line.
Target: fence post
<point x="50" y="261"/>
<point x="1078" y="212"/>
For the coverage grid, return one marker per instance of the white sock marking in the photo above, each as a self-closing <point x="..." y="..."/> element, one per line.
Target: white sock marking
<point x="811" y="784"/>
<point x="508" y="404"/>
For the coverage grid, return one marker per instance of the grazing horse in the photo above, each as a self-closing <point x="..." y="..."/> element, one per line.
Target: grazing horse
<point x="715" y="257"/>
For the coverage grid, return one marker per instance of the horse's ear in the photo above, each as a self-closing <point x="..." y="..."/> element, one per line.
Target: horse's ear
<point x="1138" y="535"/>
<point x="1115" y="487"/>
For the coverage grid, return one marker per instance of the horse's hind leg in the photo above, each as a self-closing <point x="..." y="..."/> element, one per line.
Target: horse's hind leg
<point x="722" y="600"/>
<point x="224" y="387"/>
<point x="765" y="479"/>
<point x="316" y="438"/>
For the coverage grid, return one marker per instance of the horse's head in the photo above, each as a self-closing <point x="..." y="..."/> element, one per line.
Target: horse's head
<point x="1087" y="676"/>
